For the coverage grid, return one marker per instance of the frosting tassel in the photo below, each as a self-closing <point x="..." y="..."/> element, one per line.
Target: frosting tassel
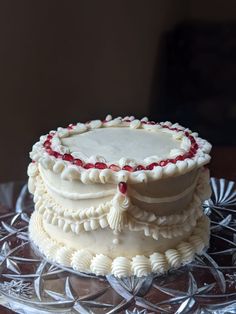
<point x="117" y="215"/>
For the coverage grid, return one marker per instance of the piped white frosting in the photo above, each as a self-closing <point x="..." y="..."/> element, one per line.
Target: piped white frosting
<point x="136" y="219"/>
<point x="121" y="266"/>
<point x="119" y="138"/>
<point x="74" y="177"/>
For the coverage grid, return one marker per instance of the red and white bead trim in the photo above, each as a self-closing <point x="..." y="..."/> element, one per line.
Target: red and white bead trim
<point x="51" y="154"/>
<point x="101" y="165"/>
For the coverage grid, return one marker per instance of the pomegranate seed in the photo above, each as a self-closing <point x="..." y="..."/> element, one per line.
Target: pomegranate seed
<point x="88" y="166"/>
<point x="188" y="155"/>
<point x="139" y="167"/>
<point x="195" y="146"/>
<point x="114" y="167"/>
<point x="78" y="162"/>
<point x="163" y="163"/>
<point x="151" y="166"/>
<point x="127" y="120"/>
<point x="49" y="151"/>
<point x="193" y="151"/>
<point x="100" y="165"/>
<point x="56" y="154"/>
<point x="192" y="140"/>
<point x="49" y="137"/>
<point x="47" y="144"/>
<point x="122" y="187"/>
<point x="144" y="122"/>
<point x="68" y="157"/>
<point x="127" y="168"/>
<point x="151" y="122"/>
<point x="180" y="157"/>
<point x="171" y="161"/>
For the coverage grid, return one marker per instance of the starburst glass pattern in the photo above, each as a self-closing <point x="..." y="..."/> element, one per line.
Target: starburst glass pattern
<point x="17" y="288"/>
<point x="32" y="284"/>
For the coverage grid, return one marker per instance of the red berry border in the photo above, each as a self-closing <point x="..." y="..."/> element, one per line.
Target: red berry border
<point x="101" y="165"/>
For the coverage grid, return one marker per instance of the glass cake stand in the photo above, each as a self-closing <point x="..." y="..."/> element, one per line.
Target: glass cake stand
<point x="31" y="284"/>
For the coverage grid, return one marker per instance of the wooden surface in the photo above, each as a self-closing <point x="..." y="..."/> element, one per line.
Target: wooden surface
<point x="223" y="165"/>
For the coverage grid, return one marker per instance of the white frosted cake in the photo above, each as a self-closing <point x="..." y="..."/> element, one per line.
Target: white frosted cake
<point x="120" y="196"/>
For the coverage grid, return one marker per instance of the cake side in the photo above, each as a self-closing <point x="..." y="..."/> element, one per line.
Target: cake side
<point x="126" y="210"/>
<point x="84" y="261"/>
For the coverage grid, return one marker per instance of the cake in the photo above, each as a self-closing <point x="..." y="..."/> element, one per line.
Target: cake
<point x="121" y="196"/>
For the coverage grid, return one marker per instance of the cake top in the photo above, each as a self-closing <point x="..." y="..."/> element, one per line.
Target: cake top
<point x="119" y="149"/>
<point x="112" y="144"/>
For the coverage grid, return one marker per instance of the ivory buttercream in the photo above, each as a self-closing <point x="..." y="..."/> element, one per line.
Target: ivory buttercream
<point x="121" y="196"/>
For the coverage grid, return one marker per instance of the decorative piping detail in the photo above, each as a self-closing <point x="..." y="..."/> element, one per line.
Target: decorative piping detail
<point x="84" y="260"/>
<point x="160" y="200"/>
<point x="81" y="196"/>
<point x="119" y="212"/>
<point x="50" y="154"/>
<point x="117" y="216"/>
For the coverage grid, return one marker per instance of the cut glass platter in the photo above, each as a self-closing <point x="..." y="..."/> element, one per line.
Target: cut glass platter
<point x="31" y="284"/>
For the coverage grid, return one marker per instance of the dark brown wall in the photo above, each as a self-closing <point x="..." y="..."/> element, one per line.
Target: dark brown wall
<point x="64" y="61"/>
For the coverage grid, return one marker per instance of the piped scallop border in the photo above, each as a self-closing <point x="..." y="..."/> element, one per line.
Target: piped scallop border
<point x="84" y="261"/>
<point x="51" y="155"/>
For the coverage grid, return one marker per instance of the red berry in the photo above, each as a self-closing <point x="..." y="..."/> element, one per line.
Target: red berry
<point x="114" y="167"/>
<point x="88" y="166"/>
<point x="127" y="168"/>
<point x="68" y="157"/>
<point x="78" y="162"/>
<point x="122" y="187"/>
<point x="47" y="144"/>
<point x="139" y="167"/>
<point x="100" y="165"/>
